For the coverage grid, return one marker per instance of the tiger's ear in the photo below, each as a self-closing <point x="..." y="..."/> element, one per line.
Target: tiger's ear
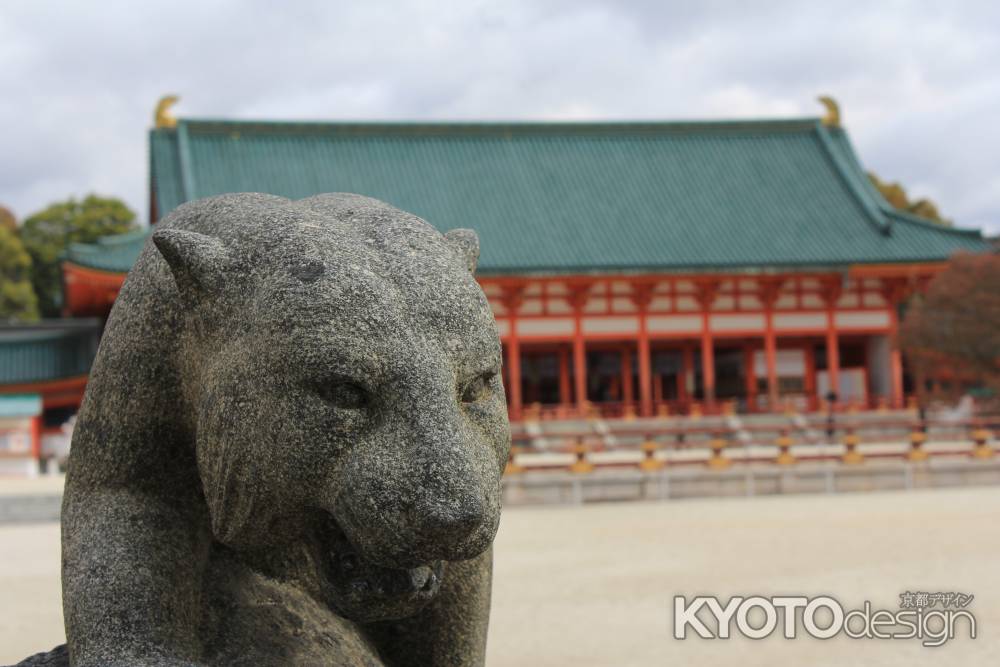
<point x="198" y="262"/>
<point x="466" y="242"/>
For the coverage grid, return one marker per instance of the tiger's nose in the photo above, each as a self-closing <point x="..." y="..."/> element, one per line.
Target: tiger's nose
<point x="451" y="522"/>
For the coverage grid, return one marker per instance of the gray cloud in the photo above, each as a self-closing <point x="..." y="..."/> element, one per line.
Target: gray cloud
<point x="915" y="79"/>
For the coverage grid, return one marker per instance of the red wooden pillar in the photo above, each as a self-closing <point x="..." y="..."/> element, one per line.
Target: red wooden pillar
<point x="579" y="368"/>
<point x="707" y="361"/>
<point x="564" y="391"/>
<point x="869" y="385"/>
<point x="771" y="357"/>
<point x="706" y="291"/>
<point x="768" y="289"/>
<point x="750" y="375"/>
<point x="642" y="294"/>
<point x="831" y="289"/>
<point x="578" y="296"/>
<point x="896" y="366"/>
<point x="36" y="438"/>
<point x="645" y="371"/>
<point x="832" y="354"/>
<point x="895" y="291"/>
<point x="512" y="298"/>
<point x="514" y="370"/>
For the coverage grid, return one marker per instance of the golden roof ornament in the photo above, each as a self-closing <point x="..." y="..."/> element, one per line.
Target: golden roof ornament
<point x="162" y="118"/>
<point x="832" y="117"/>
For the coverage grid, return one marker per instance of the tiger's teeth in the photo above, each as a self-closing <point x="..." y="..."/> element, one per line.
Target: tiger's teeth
<point x="348" y="562"/>
<point x="419" y="576"/>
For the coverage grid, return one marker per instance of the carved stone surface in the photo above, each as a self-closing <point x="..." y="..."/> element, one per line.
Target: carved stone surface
<point x="291" y="445"/>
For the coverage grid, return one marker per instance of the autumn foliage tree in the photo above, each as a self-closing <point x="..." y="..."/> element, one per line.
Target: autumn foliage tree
<point x="895" y="194"/>
<point x="955" y="325"/>
<point x="7" y="219"/>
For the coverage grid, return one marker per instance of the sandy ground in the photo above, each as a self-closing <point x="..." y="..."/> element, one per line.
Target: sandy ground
<point x="594" y="585"/>
<point x="46" y="484"/>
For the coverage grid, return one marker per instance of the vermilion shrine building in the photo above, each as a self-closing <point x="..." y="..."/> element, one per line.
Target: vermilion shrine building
<point x="634" y="268"/>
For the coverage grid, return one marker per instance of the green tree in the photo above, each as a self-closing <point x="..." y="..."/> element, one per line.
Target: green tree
<point x="17" y="298"/>
<point x="46" y="235"/>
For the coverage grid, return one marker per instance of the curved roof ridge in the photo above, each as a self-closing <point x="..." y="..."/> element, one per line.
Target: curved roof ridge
<point x="912" y="219"/>
<point x="848" y="170"/>
<point x="897" y="214"/>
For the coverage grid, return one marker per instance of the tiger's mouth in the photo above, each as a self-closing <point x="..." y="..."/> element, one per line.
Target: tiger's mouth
<point x="363" y="591"/>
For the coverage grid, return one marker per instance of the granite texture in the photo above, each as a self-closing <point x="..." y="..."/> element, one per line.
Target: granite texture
<point x="291" y="445"/>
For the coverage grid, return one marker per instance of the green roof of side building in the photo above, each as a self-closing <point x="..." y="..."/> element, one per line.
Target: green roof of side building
<point x="574" y="197"/>
<point x="13" y="406"/>
<point x="115" y="254"/>
<point x="48" y="350"/>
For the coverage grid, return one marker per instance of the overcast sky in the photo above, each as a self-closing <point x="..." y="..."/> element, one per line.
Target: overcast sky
<point x="918" y="82"/>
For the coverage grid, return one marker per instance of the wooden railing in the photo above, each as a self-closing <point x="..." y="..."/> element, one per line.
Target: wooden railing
<point x="618" y="410"/>
<point x="851" y="440"/>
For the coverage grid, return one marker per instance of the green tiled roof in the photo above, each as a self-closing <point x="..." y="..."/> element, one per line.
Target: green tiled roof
<point x="47" y="351"/>
<point x="109" y="253"/>
<point x="566" y="197"/>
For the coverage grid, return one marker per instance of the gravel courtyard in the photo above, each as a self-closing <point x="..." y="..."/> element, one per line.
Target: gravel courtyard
<point x="593" y="585"/>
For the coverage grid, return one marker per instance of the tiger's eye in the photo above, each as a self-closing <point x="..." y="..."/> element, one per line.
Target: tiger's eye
<point x="344" y="395"/>
<point x="478" y="389"/>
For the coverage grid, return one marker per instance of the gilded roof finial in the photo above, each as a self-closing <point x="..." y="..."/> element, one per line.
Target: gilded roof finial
<point x="832" y="117"/>
<point x="162" y="118"/>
